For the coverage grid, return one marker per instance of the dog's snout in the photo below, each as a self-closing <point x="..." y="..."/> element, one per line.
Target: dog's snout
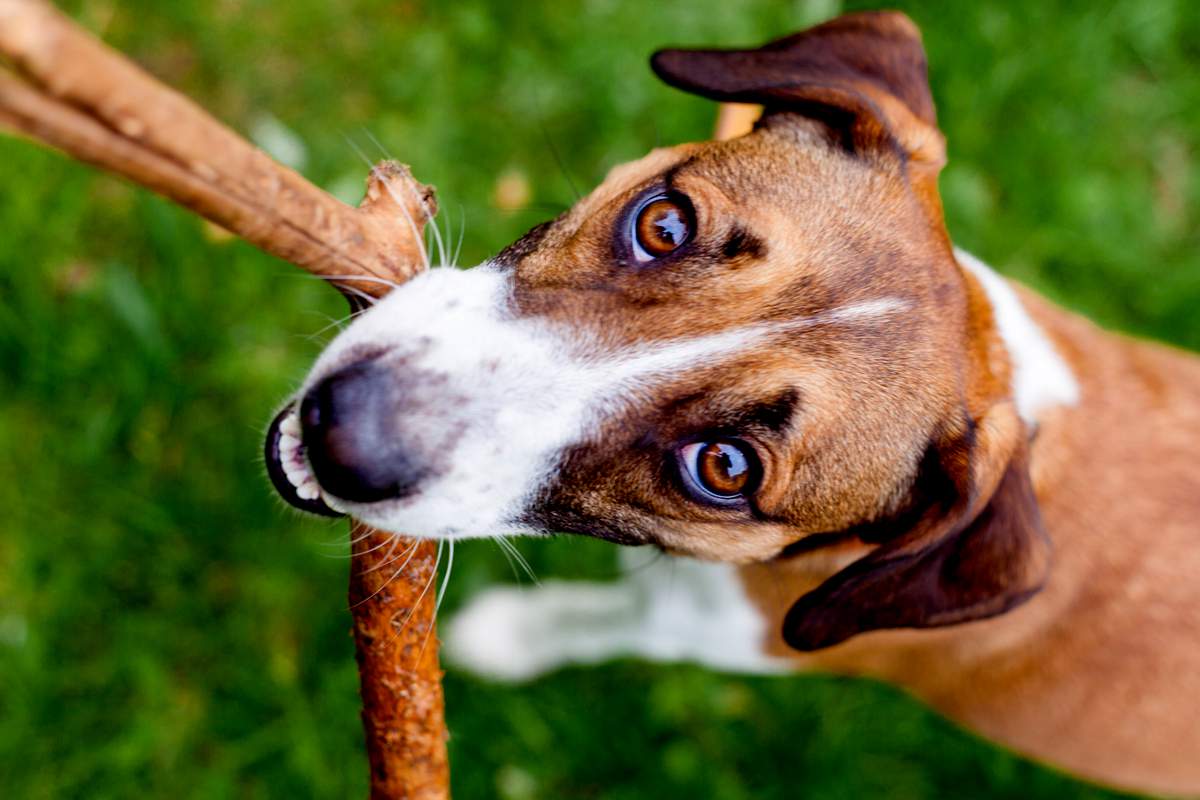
<point x="349" y="423"/>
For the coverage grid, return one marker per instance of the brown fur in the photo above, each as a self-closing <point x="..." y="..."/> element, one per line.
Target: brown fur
<point x="902" y="490"/>
<point x="838" y="231"/>
<point x="1099" y="673"/>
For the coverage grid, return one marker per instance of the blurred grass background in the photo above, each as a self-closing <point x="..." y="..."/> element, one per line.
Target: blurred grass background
<point x="168" y="629"/>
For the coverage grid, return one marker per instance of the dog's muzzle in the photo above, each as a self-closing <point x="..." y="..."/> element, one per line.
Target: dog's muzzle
<point x="340" y="441"/>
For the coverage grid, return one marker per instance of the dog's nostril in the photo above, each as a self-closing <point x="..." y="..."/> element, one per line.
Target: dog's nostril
<point x="349" y="431"/>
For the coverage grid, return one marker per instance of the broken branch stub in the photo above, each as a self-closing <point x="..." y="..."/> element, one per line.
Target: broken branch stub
<point x="62" y="87"/>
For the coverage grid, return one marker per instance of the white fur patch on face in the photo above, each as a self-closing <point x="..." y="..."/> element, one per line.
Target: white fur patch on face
<point x="1041" y="378"/>
<point x="499" y="398"/>
<point x="485" y="391"/>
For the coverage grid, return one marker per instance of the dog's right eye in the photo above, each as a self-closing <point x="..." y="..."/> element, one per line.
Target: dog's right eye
<point x="722" y="472"/>
<point x="661" y="225"/>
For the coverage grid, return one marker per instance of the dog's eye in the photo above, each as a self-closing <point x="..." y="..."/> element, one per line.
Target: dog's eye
<point x="720" y="471"/>
<point x="661" y="225"/>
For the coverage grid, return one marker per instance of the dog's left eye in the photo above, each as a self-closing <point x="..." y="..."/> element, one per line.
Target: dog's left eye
<point x="661" y="226"/>
<point x="721" y="471"/>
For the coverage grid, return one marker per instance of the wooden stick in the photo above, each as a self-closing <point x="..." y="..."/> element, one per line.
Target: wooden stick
<point x="396" y="645"/>
<point x="68" y="90"/>
<point x="87" y="100"/>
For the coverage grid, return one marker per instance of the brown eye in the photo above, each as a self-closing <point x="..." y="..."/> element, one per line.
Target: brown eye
<point x="661" y="226"/>
<point x="720" y="471"/>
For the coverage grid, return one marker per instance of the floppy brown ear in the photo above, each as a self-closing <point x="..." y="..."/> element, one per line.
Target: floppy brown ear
<point x="980" y="558"/>
<point x="864" y="75"/>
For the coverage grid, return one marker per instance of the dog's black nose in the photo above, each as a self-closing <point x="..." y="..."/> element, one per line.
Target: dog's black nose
<point x="349" y="429"/>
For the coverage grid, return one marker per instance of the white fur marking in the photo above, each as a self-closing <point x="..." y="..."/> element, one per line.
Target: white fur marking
<point x="671" y="610"/>
<point x="499" y="397"/>
<point x="673" y="355"/>
<point x="1041" y="378"/>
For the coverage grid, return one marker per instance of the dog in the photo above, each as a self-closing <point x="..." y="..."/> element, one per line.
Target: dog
<point x="862" y="450"/>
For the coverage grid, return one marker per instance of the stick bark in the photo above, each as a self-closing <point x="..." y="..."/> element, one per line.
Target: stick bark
<point x="64" y="88"/>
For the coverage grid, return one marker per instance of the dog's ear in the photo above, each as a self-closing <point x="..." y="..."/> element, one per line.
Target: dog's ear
<point x="975" y="551"/>
<point x="864" y="75"/>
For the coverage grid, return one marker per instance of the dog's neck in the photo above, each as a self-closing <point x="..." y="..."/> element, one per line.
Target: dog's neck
<point x="1041" y="379"/>
<point x="1112" y="419"/>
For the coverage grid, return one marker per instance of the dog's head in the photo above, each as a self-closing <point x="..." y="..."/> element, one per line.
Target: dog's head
<point x="739" y="350"/>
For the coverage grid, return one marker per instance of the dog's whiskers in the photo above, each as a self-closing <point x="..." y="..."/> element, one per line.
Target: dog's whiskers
<point x="514" y="557"/>
<point x="358" y="150"/>
<point x="432" y="230"/>
<point x="332" y="323"/>
<point x="341" y="282"/>
<point x="447" y="237"/>
<point x="412" y="225"/>
<point x="363" y="278"/>
<point x="512" y="564"/>
<point x="340" y="544"/>
<point x="441" y="594"/>
<point x="366" y="534"/>
<point x="378" y="144"/>
<point x="417" y="603"/>
<point x="391" y="542"/>
<point x="392" y="577"/>
<point x="359" y="293"/>
<point x="386" y="560"/>
<point x="407" y="555"/>
<point x="462" y="234"/>
<point x="445" y="577"/>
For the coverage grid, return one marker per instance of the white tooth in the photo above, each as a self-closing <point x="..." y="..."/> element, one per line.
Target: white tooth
<point x="307" y="491"/>
<point x="296" y="474"/>
<point x="290" y="426"/>
<point x="288" y="446"/>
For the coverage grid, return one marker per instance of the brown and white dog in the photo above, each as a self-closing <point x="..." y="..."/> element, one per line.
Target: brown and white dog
<point x="866" y="451"/>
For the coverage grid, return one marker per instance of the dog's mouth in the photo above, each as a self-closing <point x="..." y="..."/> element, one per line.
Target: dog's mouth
<point x="287" y="465"/>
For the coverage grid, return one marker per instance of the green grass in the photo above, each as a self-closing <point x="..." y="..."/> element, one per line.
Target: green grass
<point x="167" y="629"/>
